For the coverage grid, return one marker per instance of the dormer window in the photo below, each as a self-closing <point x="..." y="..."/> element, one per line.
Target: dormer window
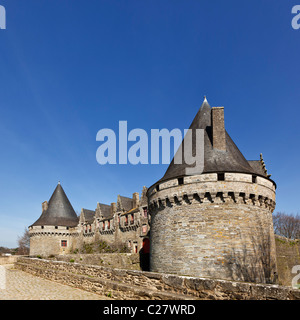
<point x="145" y="212"/>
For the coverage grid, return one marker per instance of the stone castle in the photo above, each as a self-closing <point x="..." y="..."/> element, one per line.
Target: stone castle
<point x="123" y="225"/>
<point x="214" y="224"/>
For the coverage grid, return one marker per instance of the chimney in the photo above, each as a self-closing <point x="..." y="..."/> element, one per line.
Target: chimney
<point x="44" y="206"/>
<point x="218" y="128"/>
<point x="113" y="207"/>
<point x="136" y="199"/>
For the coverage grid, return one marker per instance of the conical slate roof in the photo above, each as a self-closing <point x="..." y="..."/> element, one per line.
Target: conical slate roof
<point x="59" y="212"/>
<point x="215" y="161"/>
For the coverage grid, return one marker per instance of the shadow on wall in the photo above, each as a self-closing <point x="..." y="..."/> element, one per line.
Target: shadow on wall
<point x="258" y="266"/>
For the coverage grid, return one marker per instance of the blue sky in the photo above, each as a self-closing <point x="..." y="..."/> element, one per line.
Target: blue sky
<point x="70" y="68"/>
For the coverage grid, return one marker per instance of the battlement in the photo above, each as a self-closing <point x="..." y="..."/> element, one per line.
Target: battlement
<point x="214" y="188"/>
<point x="52" y="231"/>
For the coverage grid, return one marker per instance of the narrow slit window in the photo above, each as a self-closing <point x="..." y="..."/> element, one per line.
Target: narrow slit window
<point x="145" y="212"/>
<point x="254" y="179"/>
<point x="221" y="177"/>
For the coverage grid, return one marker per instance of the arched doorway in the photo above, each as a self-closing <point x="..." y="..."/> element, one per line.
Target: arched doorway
<point x="145" y="255"/>
<point x="146" y="245"/>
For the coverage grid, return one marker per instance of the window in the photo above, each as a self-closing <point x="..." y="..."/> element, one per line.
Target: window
<point x="103" y="225"/>
<point x="63" y="243"/>
<point x="144" y="229"/>
<point x="180" y="181"/>
<point x="132" y="219"/>
<point x="56" y="227"/>
<point x="42" y="227"/>
<point x="254" y="179"/>
<point x="145" y="212"/>
<point x="126" y="220"/>
<point x="108" y="224"/>
<point x="90" y="228"/>
<point x="157" y="187"/>
<point x="221" y="177"/>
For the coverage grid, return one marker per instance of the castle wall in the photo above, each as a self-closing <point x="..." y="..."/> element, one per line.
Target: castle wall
<point x="213" y="228"/>
<point x="47" y="241"/>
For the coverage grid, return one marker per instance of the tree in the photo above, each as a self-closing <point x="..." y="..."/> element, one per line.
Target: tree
<point x="24" y="243"/>
<point x="287" y="225"/>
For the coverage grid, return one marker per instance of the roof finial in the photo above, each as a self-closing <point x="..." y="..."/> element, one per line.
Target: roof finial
<point x="58" y="181"/>
<point x="205" y="100"/>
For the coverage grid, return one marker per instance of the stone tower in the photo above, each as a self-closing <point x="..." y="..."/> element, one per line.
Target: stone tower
<point x="217" y="223"/>
<point x="52" y="232"/>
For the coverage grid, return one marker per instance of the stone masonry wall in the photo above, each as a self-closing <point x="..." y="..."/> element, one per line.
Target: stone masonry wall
<point x="47" y="241"/>
<point x="130" y="284"/>
<point x="129" y="261"/>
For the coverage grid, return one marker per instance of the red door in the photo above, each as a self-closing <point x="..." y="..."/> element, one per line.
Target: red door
<point x="146" y="245"/>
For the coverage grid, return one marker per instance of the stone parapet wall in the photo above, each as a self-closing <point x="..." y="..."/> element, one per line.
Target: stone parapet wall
<point x="129" y="261"/>
<point x="8" y="259"/>
<point x="129" y="284"/>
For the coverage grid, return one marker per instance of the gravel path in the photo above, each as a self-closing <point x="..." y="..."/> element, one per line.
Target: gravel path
<point x="20" y="285"/>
